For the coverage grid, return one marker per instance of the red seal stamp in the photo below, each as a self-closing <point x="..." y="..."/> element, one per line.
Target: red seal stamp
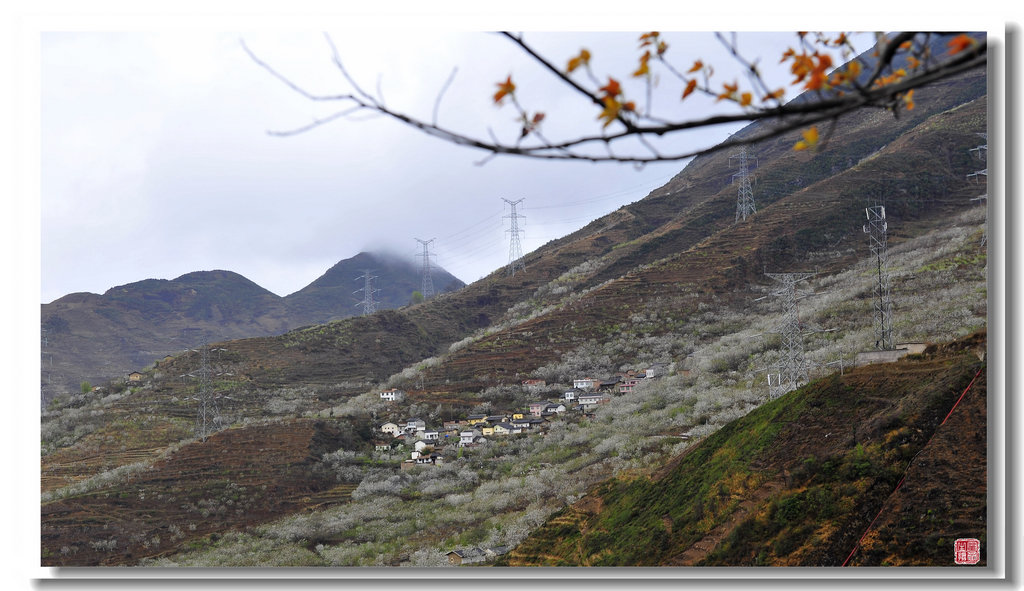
<point x="966" y="551"/>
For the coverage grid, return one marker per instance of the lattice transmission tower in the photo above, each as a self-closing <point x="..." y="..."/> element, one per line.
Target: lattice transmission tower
<point x="982" y="153"/>
<point x="877" y="230"/>
<point x="428" y="282"/>
<point x="208" y="417"/>
<point x="515" y="248"/>
<point x="792" y="369"/>
<point x="369" y="304"/>
<point x="745" y="195"/>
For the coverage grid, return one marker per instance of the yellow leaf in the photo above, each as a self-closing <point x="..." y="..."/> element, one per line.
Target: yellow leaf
<point x="745" y="99"/>
<point x="643" y="70"/>
<point x="582" y="59"/>
<point x="810" y="139"/>
<point x="611" y="110"/>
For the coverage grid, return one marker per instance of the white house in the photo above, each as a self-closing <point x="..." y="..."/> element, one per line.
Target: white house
<point x="431" y="435"/>
<point x="593" y="399"/>
<point x="468" y="437"/>
<point x="392" y="395"/>
<point x="413" y="425"/>
<point x="586" y="383"/>
<point x="571" y="395"/>
<point x="391" y="429"/>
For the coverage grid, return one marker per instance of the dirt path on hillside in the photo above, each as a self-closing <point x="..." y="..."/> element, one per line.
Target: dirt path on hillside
<point x="702" y="548"/>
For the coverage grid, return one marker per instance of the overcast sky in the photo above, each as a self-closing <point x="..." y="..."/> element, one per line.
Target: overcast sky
<point x="156" y="159"/>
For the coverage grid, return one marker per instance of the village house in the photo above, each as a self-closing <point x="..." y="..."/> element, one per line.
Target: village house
<point x="571" y="395"/>
<point x="628" y="385"/>
<point x="469" y="437"/>
<point x="495" y="419"/>
<point x="414" y="425"/>
<point x="431" y="435"/>
<point x="452" y="425"/>
<point x="474" y="419"/>
<point x="391" y="429"/>
<point x="392" y="395"/>
<point x="473" y="555"/>
<point x="553" y="407"/>
<point x="506" y="429"/>
<point x="534" y="383"/>
<point x="586" y="383"/>
<point x="135" y="376"/>
<point x="466" y="556"/>
<point x="593" y="399"/>
<point x="538" y="407"/>
<point x="381" y="446"/>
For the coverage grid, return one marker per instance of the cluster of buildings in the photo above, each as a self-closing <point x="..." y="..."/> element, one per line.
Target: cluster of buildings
<point x="582" y="399"/>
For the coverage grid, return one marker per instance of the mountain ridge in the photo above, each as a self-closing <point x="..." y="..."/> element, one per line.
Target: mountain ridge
<point x="97" y="337"/>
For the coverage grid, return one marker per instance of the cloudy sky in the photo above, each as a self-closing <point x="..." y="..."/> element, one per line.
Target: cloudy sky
<point x="156" y="158"/>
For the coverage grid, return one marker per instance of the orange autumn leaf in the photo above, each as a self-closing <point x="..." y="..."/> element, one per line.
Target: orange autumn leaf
<point x="697" y="65"/>
<point x="504" y="89"/>
<point x="690" y="86"/>
<point x="643" y="70"/>
<point x="729" y="91"/>
<point x="810" y="139"/>
<point x="778" y="94"/>
<point x="959" y="43"/>
<point x="612" y="89"/>
<point x="582" y="59"/>
<point x="745" y="99"/>
<point x="908" y="99"/>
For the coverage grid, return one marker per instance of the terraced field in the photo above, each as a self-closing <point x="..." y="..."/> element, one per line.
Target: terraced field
<point x="236" y="478"/>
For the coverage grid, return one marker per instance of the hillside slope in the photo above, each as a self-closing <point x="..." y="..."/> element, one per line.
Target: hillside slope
<point x="795" y="482"/>
<point x="587" y="286"/>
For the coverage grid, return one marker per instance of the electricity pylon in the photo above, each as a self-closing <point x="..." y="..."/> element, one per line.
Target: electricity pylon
<point x="515" y="249"/>
<point x="877" y="230"/>
<point x="745" y="197"/>
<point x="369" y="304"/>
<point x="792" y="369"/>
<point x="428" y="281"/>
<point x="208" y="419"/>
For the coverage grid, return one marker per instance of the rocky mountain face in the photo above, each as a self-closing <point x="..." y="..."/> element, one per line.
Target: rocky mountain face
<point x="94" y="338"/>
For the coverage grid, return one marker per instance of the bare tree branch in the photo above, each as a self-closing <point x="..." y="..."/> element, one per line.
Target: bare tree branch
<point x="786" y="117"/>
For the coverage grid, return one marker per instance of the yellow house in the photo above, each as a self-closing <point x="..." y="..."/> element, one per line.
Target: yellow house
<point x="135" y="377"/>
<point x="517" y="415"/>
<point x="487" y="431"/>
